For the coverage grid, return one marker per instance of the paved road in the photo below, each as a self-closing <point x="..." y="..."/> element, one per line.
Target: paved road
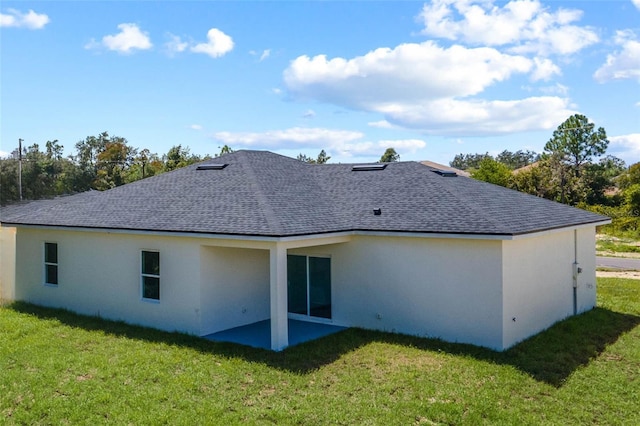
<point x="617" y="262"/>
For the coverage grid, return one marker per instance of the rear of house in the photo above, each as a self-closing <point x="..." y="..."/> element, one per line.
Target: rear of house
<point x="274" y="239"/>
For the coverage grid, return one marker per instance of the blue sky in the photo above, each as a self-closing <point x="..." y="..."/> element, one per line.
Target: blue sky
<point x="431" y="79"/>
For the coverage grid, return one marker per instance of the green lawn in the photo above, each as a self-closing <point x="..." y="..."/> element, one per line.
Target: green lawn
<point x="614" y="247"/>
<point x="60" y="368"/>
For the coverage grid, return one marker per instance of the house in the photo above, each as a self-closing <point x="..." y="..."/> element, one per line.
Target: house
<point x="253" y="235"/>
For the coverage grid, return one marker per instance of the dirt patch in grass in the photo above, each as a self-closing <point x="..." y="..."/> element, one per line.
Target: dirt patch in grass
<point x="634" y="275"/>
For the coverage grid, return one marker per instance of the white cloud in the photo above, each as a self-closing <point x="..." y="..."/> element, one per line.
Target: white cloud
<point x="481" y="117"/>
<point x="636" y="3"/>
<point x="196" y="127"/>
<point x="522" y="26"/>
<point x="30" y="20"/>
<point x="218" y="44"/>
<point x="544" y="69"/>
<point x="626" y="147"/>
<point x="557" y="89"/>
<point x="175" y="45"/>
<point x="622" y="64"/>
<point x="410" y="145"/>
<point x="338" y="143"/>
<point x="430" y="88"/>
<point x="348" y="150"/>
<point x="410" y="71"/>
<point x="295" y="137"/>
<point x="264" y="55"/>
<point x="129" y="38"/>
<point x="309" y="113"/>
<point x="381" y="124"/>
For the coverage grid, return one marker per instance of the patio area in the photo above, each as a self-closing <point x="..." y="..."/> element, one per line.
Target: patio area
<point x="258" y="334"/>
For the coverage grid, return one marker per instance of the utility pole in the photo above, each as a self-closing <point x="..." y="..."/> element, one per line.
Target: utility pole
<point x="20" y="167"/>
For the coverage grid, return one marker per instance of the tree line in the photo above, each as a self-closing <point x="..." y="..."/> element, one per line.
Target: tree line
<point x="573" y="169"/>
<point x="98" y="162"/>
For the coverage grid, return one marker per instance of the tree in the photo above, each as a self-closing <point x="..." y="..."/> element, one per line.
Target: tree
<point x="570" y="153"/>
<point x="600" y="178"/>
<point x="632" y="197"/>
<point x="225" y="150"/>
<point x="304" y="158"/>
<point x="468" y="161"/>
<point x="518" y="159"/>
<point x="576" y="142"/>
<point x="178" y="157"/>
<point x="390" y="156"/>
<point x="87" y="160"/>
<point x="8" y="180"/>
<point x="321" y="159"/>
<point x="630" y="177"/>
<point x="112" y="164"/>
<point x="145" y="164"/>
<point x="492" y="171"/>
<point x="534" y="180"/>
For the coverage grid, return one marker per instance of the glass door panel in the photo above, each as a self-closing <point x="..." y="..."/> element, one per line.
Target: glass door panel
<point x="297" y="284"/>
<point x="320" y="287"/>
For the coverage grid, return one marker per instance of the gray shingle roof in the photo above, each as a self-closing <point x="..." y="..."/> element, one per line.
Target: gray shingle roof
<point x="266" y="194"/>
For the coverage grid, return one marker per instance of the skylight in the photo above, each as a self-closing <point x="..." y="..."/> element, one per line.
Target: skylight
<point x="367" y="167"/>
<point x="445" y="173"/>
<point x="211" y="166"/>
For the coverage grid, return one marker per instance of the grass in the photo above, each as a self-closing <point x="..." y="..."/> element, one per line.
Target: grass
<point x="617" y="247"/>
<point x="614" y="244"/>
<point x="60" y="368"/>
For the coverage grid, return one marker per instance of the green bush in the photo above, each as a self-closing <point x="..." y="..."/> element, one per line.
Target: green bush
<point x="625" y="221"/>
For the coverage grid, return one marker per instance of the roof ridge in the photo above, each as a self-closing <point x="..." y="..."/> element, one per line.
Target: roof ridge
<point x="270" y="216"/>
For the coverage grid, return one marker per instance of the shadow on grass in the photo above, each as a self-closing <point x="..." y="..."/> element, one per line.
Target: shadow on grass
<point x="549" y="357"/>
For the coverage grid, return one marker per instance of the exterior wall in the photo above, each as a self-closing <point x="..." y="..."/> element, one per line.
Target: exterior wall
<point x="460" y="290"/>
<point x="586" y="290"/>
<point x="99" y="274"/>
<point x="7" y="262"/>
<point x="445" y="288"/>
<point x="234" y="287"/>
<point x="538" y="282"/>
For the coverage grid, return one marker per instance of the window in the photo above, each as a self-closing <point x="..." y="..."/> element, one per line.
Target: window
<point x="51" y="263"/>
<point x="151" y="275"/>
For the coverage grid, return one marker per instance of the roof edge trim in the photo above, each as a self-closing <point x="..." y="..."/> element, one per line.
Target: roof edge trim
<point x="280" y="238"/>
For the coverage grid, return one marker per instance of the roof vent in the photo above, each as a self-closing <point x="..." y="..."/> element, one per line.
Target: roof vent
<point x="211" y="167"/>
<point x="445" y="173"/>
<point x="377" y="212"/>
<point x="367" y="167"/>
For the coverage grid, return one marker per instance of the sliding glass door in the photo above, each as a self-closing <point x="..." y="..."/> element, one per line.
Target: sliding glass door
<point x="309" y="286"/>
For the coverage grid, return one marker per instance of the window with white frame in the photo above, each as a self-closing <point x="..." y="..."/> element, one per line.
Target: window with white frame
<point x="51" y="263"/>
<point x="150" y="275"/>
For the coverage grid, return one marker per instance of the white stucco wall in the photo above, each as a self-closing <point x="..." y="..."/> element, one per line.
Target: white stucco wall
<point x="460" y="290"/>
<point x="7" y="262"/>
<point x="234" y="287"/>
<point x="538" y="281"/>
<point x="443" y="288"/>
<point x="99" y="274"/>
<point x="586" y="290"/>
